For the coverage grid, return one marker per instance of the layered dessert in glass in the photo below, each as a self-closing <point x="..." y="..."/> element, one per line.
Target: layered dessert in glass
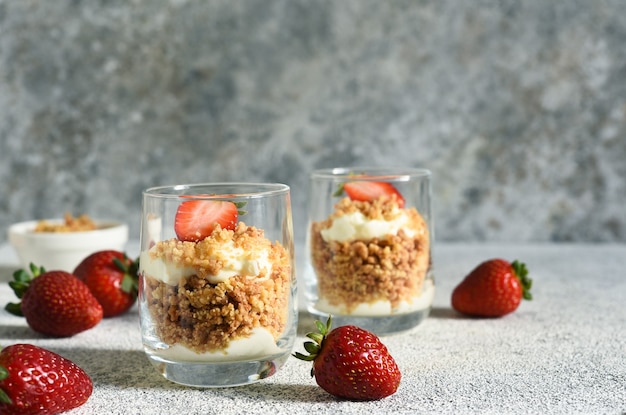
<point x="222" y="298"/>
<point x="370" y="251"/>
<point x="217" y="297"/>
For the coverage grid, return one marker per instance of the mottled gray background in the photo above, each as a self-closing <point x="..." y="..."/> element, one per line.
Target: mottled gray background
<point x="518" y="107"/>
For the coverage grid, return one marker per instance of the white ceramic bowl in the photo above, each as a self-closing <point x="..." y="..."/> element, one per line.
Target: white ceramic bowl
<point x="64" y="250"/>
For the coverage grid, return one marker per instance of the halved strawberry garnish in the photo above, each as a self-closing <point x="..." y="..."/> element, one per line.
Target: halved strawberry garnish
<point x="367" y="191"/>
<point x="196" y="219"/>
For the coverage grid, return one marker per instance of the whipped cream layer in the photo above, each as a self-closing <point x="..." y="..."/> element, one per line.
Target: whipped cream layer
<point x="234" y="259"/>
<point x="356" y="226"/>
<point x="381" y="307"/>
<point x="260" y="343"/>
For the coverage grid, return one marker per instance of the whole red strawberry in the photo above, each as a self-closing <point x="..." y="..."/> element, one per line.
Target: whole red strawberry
<point x="40" y="382"/>
<point x="55" y="303"/>
<point x="351" y="363"/>
<point x="494" y="288"/>
<point x="112" y="278"/>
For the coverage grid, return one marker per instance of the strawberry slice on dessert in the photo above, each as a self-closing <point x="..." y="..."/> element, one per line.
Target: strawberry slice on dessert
<point x="366" y="191"/>
<point x="196" y="219"/>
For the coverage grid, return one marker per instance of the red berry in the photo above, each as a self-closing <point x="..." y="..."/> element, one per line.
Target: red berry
<point x="112" y="278"/>
<point x="37" y="381"/>
<point x="368" y="191"/>
<point x="55" y="303"/>
<point x="351" y="363"/>
<point x="494" y="288"/>
<point x="196" y="219"/>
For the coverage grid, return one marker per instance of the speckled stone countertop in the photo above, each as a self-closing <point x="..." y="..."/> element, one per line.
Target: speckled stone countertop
<point x="562" y="353"/>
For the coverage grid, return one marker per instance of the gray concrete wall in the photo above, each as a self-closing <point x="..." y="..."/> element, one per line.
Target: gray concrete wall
<point x="518" y="108"/>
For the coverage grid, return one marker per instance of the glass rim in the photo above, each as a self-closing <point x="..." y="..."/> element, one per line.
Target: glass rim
<point x="210" y="190"/>
<point x="379" y="173"/>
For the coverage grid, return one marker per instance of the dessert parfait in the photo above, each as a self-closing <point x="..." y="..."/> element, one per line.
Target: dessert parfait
<point x="371" y="255"/>
<point x="218" y="291"/>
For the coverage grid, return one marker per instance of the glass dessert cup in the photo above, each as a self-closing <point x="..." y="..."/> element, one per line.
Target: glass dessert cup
<point x="369" y="247"/>
<point x="217" y="298"/>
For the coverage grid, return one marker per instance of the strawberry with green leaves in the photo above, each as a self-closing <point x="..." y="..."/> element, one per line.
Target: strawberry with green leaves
<point x="370" y="190"/>
<point x="112" y="278"/>
<point x="493" y="289"/>
<point x="351" y="363"/>
<point x="55" y="303"/>
<point x="36" y="381"/>
<point x="196" y="219"/>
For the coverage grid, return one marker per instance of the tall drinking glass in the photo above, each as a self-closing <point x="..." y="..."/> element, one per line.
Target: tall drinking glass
<point x="369" y="246"/>
<point x="217" y="297"/>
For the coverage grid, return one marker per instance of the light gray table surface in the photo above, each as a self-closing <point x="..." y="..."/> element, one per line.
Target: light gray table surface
<point x="562" y="353"/>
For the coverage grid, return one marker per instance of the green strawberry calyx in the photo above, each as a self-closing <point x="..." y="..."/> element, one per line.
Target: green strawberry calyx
<point x="340" y="191"/>
<point x="21" y="282"/>
<point x="314" y="347"/>
<point x="240" y="206"/>
<point x="130" y="269"/>
<point x="521" y="272"/>
<point x="4" y="397"/>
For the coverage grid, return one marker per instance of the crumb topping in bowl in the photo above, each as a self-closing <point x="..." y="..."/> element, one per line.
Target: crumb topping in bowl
<point x="70" y="223"/>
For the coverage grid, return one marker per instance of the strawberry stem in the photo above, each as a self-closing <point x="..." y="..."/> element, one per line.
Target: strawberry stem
<point x="522" y="274"/>
<point x="35" y="270"/>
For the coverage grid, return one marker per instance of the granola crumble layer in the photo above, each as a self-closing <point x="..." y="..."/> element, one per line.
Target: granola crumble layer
<point x="388" y="268"/>
<point x="205" y="317"/>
